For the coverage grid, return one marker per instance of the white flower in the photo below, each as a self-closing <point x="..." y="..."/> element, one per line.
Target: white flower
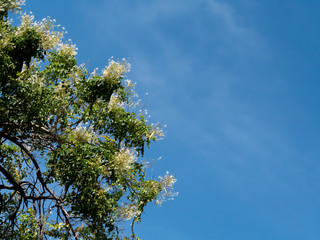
<point x="49" y="38"/>
<point x="26" y="24"/>
<point x="115" y="71"/>
<point x="67" y="50"/>
<point x="166" y="183"/>
<point x="127" y="212"/>
<point x="11" y="5"/>
<point x="124" y="159"/>
<point x="155" y="133"/>
<point x="114" y="103"/>
<point x="84" y="134"/>
<point x="132" y="100"/>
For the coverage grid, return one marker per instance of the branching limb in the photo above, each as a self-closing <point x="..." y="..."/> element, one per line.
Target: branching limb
<point x="15" y="185"/>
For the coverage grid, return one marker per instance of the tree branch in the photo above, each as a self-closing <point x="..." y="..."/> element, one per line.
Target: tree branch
<point x="7" y="187"/>
<point x="34" y="161"/>
<point x="40" y="177"/>
<point x="10" y="178"/>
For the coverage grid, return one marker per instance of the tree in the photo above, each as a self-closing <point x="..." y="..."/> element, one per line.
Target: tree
<point x="71" y="142"/>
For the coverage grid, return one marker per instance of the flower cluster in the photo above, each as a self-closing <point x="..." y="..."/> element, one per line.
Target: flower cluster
<point x="166" y="183"/>
<point x="133" y="100"/>
<point x="123" y="160"/>
<point x="30" y="74"/>
<point x="67" y="50"/>
<point x="155" y="132"/>
<point x="127" y="212"/>
<point x="49" y="38"/>
<point x="26" y="25"/>
<point x="115" y="71"/>
<point x="114" y="103"/>
<point x="83" y="134"/>
<point x="60" y="91"/>
<point x="11" y="5"/>
<point x="77" y="73"/>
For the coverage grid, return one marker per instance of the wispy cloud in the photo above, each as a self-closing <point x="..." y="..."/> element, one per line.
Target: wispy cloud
<point x="192" y="70"/>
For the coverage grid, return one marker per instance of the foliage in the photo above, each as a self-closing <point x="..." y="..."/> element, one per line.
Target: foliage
<point x="71" y="142"/>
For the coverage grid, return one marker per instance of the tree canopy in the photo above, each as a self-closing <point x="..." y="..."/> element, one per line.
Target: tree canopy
<point x="71" y="141"/>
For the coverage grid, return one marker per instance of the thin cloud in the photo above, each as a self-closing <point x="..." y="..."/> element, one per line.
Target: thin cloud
<point x="194" y="72"/>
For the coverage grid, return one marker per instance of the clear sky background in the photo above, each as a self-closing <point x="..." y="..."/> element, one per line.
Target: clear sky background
<point x="237" y="84"/>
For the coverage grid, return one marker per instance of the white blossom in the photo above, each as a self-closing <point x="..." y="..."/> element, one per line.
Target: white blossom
<point x="166" y="193"/>
<point x="155" y="133"/>
<point x="29" y="73"/>
<point x="132" y="100"/>
<point x="115" y="71"/>
<point x="76" y="74"/>
<point x="83" y="134"/>
<point x="124" y="159"/>
<point x="11" y="5"/>
<point x="67" y="50"/>
<point x="127" y="212"/>
<point x="114" y="103"/>
<point x="49" y="39"/>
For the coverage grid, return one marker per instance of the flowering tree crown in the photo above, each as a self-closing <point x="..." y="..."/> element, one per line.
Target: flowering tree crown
<point x="71" y="142"/>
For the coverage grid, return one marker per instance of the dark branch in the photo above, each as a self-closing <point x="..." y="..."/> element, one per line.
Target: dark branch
<point x="15" y="184"/>
<point x="38" y="198"/>
<point x="40" y="177"/>
<point x="7" y="187"/>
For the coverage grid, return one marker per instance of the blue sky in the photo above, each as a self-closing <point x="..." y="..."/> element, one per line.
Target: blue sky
<point x="237" y="84"/>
